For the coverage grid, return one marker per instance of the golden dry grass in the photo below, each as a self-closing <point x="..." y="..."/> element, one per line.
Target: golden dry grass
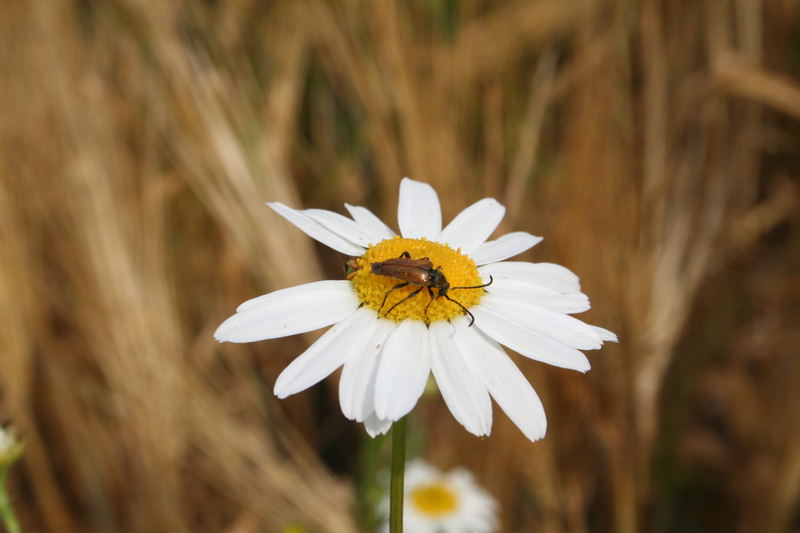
<point x="653" y="143"/>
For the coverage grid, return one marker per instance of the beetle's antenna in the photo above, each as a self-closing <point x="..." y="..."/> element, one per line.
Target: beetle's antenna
<point x="471" y="318"/>
<point x="491" y="279"/>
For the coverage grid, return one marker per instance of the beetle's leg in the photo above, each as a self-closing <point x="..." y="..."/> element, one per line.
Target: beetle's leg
<point x="430" y="291"/>
<point x="403" y="300"/>
<point x="351" y="267"/>
<point x="398" y="286"/>
<point x="471" y="318"/>
<point x="407" y="255"/>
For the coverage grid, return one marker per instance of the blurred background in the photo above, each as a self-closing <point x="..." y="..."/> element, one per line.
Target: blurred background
<point x="655" y="144"/>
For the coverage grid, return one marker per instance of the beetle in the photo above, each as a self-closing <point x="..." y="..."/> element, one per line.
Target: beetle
<point x="419" y="272"/>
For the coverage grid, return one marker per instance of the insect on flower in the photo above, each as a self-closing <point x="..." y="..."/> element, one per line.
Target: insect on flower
<point x="419" y="272"/>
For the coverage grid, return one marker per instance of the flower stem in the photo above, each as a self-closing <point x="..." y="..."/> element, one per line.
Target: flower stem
<point x="7" y="515"/>
<point x="398" y="471"/>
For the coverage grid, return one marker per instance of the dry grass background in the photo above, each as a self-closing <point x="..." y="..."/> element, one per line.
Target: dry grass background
<point x="654" y="143"/>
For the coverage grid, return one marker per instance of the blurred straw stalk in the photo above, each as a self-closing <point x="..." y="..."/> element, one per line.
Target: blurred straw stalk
<point x="653" y="143"/>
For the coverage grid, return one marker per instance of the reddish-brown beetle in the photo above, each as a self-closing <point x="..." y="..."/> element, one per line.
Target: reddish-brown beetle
<point x="418" y="272"/>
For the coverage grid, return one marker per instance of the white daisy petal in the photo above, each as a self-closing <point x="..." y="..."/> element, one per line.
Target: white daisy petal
<point x="293" y="292"/>
<point x="473" y="225"/>
<point x="559" y="326"/>
<point x="509" y="331"/>
<point x="462" y="389"/>
<point x="376" y="426"/>
<point x="418" y="211"/>
<point x="357" y="384"/>
<point x="508" y="386"/>
<point x="607" y="336"/>
<point x="419" y="524"/>
<point x="404" y="369"/>
<point x="418" y="472"/>
<point x="328" y="353"/>
<point x="549" y="275"/>
<point x="508" y="245"/>
<point x="370" y="223"/>
<point x="290" y="311"/>
<point x="342" y="226"/>
<point x="576" y="302"/>
<point x="316" y="231"/>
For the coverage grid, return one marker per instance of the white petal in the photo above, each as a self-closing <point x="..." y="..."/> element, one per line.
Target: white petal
<point x="418" y="211"/>
<point x="417" y="522"/>
<point x="462" y="389"/>
<point x="290" y="311"/>
<point x="511" y="332"/>
<point x="508" y="386"/>
<point x="549" y="275"/>
<point x="576" y="302"/>
<point x="559" y="326"/>
<point x="376" y="426"/>
<point x="473" y="225"/>
<point x="404" y="369"/>
<point x="607" y="336"/>
<point x="329" y="352"/>
<point x="357" y="384"/>
<point x="508" y="245"/>
<point x="370" y="223"/>
<point x="319" y="288"/>
<point x="317" y="231"/>
<point x="341" y="226"/>
<point x="419" y="472"/>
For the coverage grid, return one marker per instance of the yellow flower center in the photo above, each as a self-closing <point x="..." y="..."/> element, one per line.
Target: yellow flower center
<point x="377" y="290"/>
<point x="436" y="499"/>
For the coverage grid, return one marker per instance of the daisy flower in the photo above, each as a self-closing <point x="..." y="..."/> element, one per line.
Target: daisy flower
<point x="7" y="440"/>
<point x="10" y="449"/>
<point x="390" y="335"/>
<point x="10" y="452"/>
<point x="436" y="502"/>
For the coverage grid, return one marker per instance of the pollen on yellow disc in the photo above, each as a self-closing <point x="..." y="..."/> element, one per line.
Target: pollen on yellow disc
<point x="458" y="269"/>
<point x="434" y="499"/>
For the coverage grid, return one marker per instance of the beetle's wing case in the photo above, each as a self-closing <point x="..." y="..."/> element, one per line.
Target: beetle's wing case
<point x="402" y="262"/>
<point x="416" y="271"/>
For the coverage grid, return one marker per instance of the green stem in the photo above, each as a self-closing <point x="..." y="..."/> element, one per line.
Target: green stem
<point x="398" y="471"/>
<point x="6" y="512"/>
